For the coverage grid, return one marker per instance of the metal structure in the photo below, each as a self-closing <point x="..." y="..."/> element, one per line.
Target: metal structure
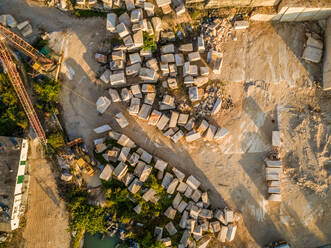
<point x="26" y="47"/>
<point x="14" y="76"/>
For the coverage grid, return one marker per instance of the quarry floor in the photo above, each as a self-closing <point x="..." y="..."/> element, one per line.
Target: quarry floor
<point x="270" y="86"/>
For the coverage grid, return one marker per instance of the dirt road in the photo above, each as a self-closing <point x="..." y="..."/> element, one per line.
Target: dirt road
<point x="276" y="94"/>
<point x="47" y="218"/>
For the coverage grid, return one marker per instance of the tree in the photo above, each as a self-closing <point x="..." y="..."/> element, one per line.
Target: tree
<point x="12" y="116"/>
<point x="48" y="93"/>
<point x="84" y="217"/>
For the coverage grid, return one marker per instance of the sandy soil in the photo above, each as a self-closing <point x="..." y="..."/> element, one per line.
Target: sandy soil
<point x="46" y="218"/>
<point x="267" y="81"/>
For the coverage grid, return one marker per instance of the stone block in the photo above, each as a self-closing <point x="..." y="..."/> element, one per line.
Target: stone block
<point x="149" y="98"/>
<point x="129" y="4"/>
<point x="145" y="173"/>
<point x="170" y="213"/>
<point x="196" y="195"/>
<point x="188" y="192"/>
<point x="115" y="97"/>
<point x="111" y="22"/>
<point x="167" y="179"/>
<point x="193" y="182"/>
<point x="210" y="132"/>
<point x="168" y="58"/>
<point x="134" y="106"/>
<point x="218" y="66"/>
<point x="122" y="30"/>
<point x="182" y="187"/>
<point x="193" y="94"/>
<point x="148" y="88"/>
<point x="107" y="173"/>
<point x="117" y="79"/>
<point x="185" y="238"/>
<point x="312" y="54"/>
<point x="157" y="24"/>
<point x="217" y="106"/>
<point x="222" y="234"/>
<point x="214" y="226"/>
<point x="120" y="170"/>
<point x="171" y="228"/>
<point x="177" y="136"/>
<point x="135" y="186"/>
<point x="182" y="206"/>
<point x="102" y="104"/>
<point x="186" y="47"/>
<point x="194" y="56"/>
<point x="173" y="119"/>
<point x="228" y="215"/>
<point x="169" y="48"/>
<point x="125" y="95"/>
<point x="239" y="25"/>
<point x="154" y="117"/>
<point x="125" y="18"/>
<point x="180" y="175"/>
<point x="183" y="220"/>
<point x="276" y="138"/>
<point x="163" y="121"/>
<point x="275" y="197"/>
<point x="134" y="58"/>
<point x="124" y="154"/>
<point x="179" y="59"/>
<point x="172" y="186"/>
<point x="126" y="141"/>
<point x="121" y="120"/>
<point x="232" y="229"/>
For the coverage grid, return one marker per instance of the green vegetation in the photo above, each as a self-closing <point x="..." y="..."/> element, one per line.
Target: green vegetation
<point x="12" y="116"/>
<point x="84" y="217"/>
<point x="85" y="13"/>
<point x="149" y="42"/>
<point x="48" y="91"/>
<point x="120" y="206"/>
<point x="55" y="140"/>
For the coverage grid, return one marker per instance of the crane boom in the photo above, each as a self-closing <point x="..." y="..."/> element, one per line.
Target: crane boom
<point x="25" y="47"/>
<point x="23" y="96"/>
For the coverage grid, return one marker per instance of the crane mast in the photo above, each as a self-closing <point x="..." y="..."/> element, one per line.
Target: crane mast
<point x="14" y="76"/>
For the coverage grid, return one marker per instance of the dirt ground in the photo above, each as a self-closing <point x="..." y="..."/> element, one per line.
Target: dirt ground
<point x="46" y="218"/>
<point x="271" y="87"/>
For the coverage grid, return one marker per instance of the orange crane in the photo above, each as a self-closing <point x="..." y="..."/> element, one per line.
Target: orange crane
<point x="39" y="58"/>
<point x="14" y="76"/>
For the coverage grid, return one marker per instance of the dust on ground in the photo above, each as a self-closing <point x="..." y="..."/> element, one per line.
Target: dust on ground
<point x="269" y="85"/>
<point x="46" y="217"/>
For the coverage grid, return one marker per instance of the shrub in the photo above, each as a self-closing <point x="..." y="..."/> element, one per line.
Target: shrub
<point x="55" y="140"/>
<point x="149" y="42"/>
<point x="84" y="217"/>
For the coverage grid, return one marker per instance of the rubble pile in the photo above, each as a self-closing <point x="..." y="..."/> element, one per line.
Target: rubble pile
<point x="217" y="32"/>
<point x="190" y="204"/>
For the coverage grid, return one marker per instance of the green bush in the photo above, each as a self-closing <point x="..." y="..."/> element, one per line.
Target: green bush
<point x="84" y="217"/>
<point x="149" y="42"/>
<point x="85" y="13"/>
<point x="55" y="140"/>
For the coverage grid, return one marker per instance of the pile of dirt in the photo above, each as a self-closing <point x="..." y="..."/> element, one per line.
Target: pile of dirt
<point x="306" y="126"/>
